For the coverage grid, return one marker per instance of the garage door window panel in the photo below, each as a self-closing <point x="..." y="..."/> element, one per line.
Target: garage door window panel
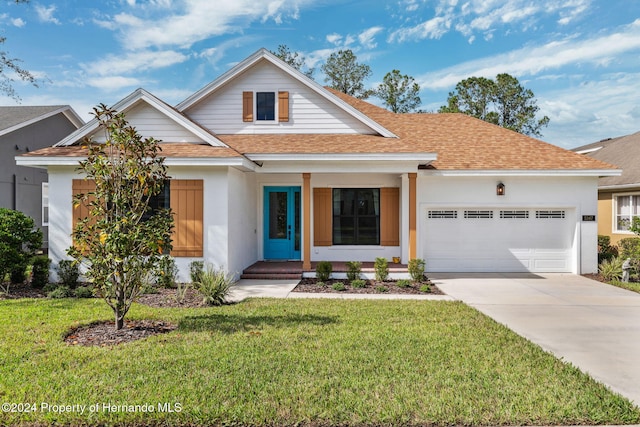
<point x="356" y="216"/>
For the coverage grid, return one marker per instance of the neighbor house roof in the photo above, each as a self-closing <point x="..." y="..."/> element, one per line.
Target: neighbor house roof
<point x="624" y="152"/>
<point x="16" y="117"/>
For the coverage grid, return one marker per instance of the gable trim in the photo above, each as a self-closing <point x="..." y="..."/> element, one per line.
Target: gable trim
<point x="317" y="88"/>
<point x="131" y="100"/>
<point x="525" y="172"/>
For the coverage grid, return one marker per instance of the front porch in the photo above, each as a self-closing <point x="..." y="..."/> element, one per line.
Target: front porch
<point x="274" y="270"/>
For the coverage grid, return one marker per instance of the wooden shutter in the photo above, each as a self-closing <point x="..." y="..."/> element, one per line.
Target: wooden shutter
<point x="80" y="186"/>
<point x="322" y="217"/>
<point x="283" y="106"/>
<point x="390" y="216"/>
<point x="247" y="106"/>
<point x="186" y="205"/>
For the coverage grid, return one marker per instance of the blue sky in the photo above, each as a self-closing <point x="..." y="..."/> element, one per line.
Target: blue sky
<point x="580" y="57"/>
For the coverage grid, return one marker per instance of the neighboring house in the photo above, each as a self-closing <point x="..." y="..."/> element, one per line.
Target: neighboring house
<point x="268" y="165"/>
<point x="24" y="129"/>
<point x="618" y="196"/>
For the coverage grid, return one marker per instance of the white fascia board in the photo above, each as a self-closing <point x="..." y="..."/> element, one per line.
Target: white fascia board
<point x="319" y="89"/>
<point x="364" y="157"/>
<point x="590" y="150"/>
<point x="348" y="167"/>
<point x="520" y="172"/>
<point x="45" y="161"/>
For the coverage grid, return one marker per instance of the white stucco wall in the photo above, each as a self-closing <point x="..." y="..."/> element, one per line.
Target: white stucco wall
<point x="578" y="194"/>
<point x="216" y="208"/>
<point x="242" y="214"/>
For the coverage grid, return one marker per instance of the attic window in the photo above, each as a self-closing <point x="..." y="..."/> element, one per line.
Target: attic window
<point x="265" y="106"/>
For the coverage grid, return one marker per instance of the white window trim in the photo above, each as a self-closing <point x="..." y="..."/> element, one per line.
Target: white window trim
<point x="614" y="214"/>
<point x="45" y="186"/>
<point x="275" y="108"/>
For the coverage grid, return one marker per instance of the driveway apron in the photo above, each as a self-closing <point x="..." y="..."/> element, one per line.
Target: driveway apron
<point x="594" y="326"/>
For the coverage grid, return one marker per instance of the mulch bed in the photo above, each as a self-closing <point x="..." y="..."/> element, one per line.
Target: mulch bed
<point x="311" y="285"/>
<point x="23" y="291"/>
<point x="104" y="333"/>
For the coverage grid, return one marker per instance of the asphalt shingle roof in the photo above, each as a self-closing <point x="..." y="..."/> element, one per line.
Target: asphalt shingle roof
<point x="12" y="116"/>
<point x="624" y="152"/>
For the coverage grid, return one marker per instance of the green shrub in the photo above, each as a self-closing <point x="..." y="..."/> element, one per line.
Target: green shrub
<point x="605" y="249"/>
<point x="323" y="284"/>
<point x="83" y="292"/>
<point x="381" y="265"/>
<point x="18" y="274"/>
<point x="149" y="288"/>
<point x="61" y="291"/>
<point x="323" y="270"/>
<point x="49" y="287"/>
<point x="353" y="270"/>
<point x="611" y="269"/>
<point x="195" y="270"/>
<point x="381" y="289"/>
<point x="416" y="269"/>
<point x="425" y="288"/>
<point x="40" y="271"/>
<point x="166" y="272"/>
<point x="68" y="273"/>
<point x="358" y="283"/>
<point x="19" y="240"/>
<point x="403" y="283"/>
<point x="338" y="286"/>
<point x="214" y="285"/>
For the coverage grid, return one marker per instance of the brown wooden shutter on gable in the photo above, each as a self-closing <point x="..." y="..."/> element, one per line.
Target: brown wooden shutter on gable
<point x="283" y="106"/>
<point x="390" y="216"/>
<point x="322" y="217"/>
<point x="247" y="106"/>
<point x="187" y="208"/>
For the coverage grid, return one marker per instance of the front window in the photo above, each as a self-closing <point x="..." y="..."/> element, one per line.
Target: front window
<point x="159" y="201"/>
<point x="356" y="216"/>
<point x="265" y="106"/>
<point x="627" y="208"/>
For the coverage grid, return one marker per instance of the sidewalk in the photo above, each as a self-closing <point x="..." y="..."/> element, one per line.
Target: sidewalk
<point x="254" y="288"/>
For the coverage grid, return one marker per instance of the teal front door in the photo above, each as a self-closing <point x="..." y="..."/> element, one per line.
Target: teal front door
<point x="282" y="223"/>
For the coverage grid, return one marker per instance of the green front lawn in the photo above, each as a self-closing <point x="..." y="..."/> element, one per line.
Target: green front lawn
<point x="289" y="362"/>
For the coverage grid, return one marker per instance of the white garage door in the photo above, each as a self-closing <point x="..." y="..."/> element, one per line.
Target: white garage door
<point x="498" y="240"/>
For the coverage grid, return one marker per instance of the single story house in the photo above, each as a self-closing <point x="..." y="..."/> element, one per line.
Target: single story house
<point x="267" y="164"/>
<point x="618" y="196"/>
<point x="24" y="129"/>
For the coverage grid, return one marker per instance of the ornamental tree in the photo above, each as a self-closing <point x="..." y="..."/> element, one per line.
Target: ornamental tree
<point x="123" y="237"/>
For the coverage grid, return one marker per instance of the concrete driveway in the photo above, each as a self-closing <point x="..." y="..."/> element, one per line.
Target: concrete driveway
<point x="594" y="326"/>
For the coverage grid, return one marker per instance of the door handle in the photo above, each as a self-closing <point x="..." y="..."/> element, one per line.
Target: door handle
<point x="289" y="232"/>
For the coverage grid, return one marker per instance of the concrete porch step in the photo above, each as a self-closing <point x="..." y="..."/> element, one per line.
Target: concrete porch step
<point x="272" y="276"/>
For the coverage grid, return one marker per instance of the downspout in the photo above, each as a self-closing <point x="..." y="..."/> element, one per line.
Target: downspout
<point x="15" y="192"/>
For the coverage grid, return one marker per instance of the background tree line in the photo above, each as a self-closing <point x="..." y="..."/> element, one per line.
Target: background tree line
<point x="503" y="101"/>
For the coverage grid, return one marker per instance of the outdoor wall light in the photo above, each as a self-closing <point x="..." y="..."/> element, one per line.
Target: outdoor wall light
<point x="500" y="189"/>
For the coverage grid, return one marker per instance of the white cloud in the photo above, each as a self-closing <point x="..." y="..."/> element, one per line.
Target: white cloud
<point x="45" y="14"/>
<point x="533" y="60"/>
<point x="367" y="37"/>
<point x="134" y="62"/>
<point x="473" y="16"/>
<point x="113" y="82"/>
<point x="334" y="38"/>
<point x="595" y="107"/>
<point x="190" y="21"/>
<point x="18" y="22"/>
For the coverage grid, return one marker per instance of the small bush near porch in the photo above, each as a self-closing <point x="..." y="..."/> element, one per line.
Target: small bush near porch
<point x="292" y="362"/>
